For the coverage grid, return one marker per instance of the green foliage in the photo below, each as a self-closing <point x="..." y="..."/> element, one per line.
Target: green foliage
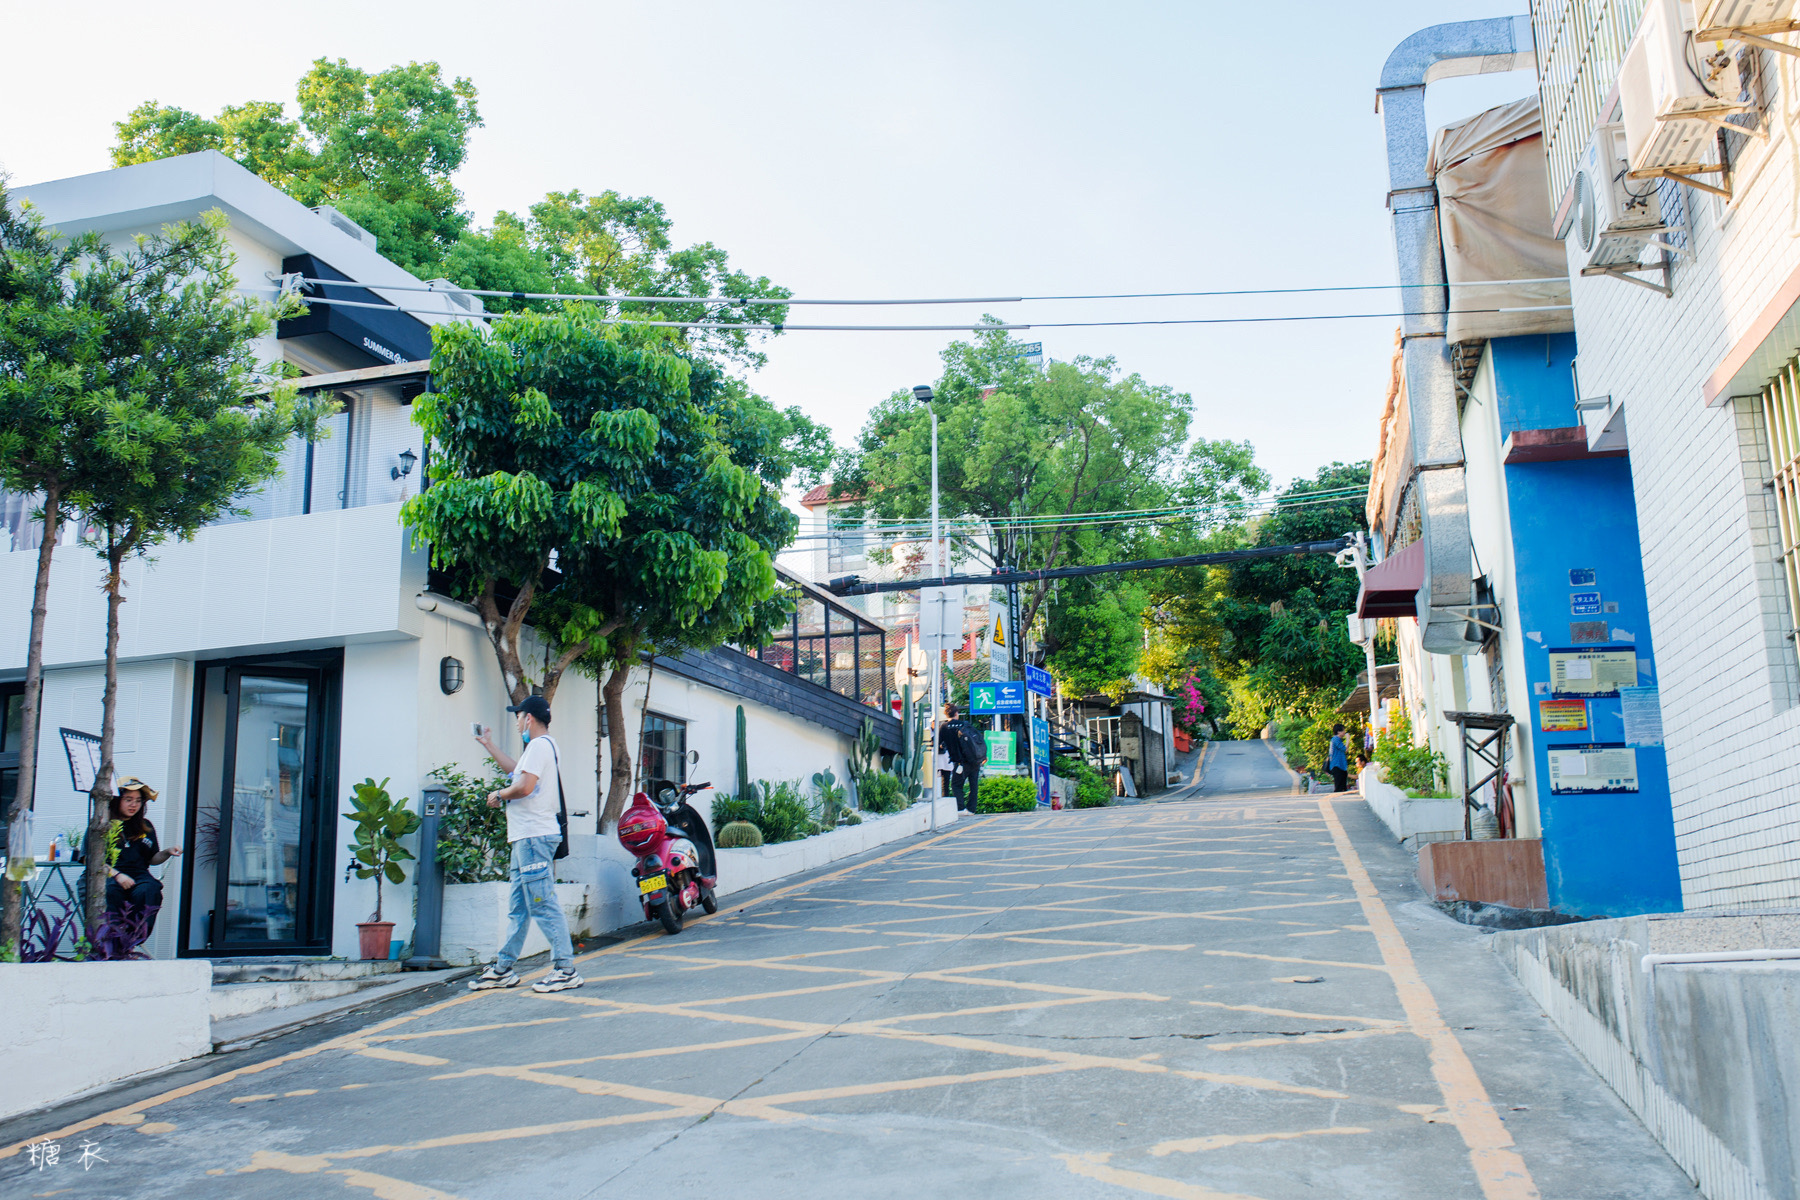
<point x="380" y="822"/>
<point x="881" y="793"/>
<point x="736" y="834"/>
<point x="1413" y="768"/>
<point x="909" y="763"/>
<point x="865" y="755"/>
<point x="1097" y="630"/>
<point x="381" y="148"/>
<point x="1006" y="793"/>
<point x="114" y="832"/>
<point x="472" y="845"/>
<point x="743" y="756"/>
<point x="1091" y="788"/>
<point x="828" y="797"/>
<point x="785" y="815"/>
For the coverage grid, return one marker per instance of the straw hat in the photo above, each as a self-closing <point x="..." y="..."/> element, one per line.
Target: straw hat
<point x="132" y="781"/>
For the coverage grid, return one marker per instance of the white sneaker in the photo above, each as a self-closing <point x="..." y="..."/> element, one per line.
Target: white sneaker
<point x="558" y="981"/>
<point x="494" y="977"/>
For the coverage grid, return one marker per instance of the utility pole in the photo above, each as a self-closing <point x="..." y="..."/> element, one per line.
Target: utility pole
<point x="939" y="568"/>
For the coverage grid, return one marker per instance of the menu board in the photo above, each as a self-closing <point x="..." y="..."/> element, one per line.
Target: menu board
<point x="1588" y="673"/>
<point x="1601" y="767"/>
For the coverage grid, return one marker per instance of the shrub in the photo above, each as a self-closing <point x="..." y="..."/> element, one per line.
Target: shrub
<point x="785" y="814"/>
<point x="472" y="845"/>
<point x="728" y="809"/>
<point x="1409" y="767"/>
<point x="881" y="792"/>
<point x="1006" y="793"/>
<point x="739" y="833"/>
<point x="1091" y="788"/>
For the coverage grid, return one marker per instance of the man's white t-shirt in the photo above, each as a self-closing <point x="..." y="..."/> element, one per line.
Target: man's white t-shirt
<point x="534" y="815"/>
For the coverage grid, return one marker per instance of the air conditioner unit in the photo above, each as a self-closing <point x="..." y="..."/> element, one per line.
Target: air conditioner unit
<point x="458" y="298"/>
<point x="1614" y="215"/>
<point x="1724" y="18"/>
<point x="1674" y="94"/>
<point x="345" y="225"/>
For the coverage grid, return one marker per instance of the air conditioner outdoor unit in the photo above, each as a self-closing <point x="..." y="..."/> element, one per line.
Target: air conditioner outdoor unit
<point x="345" y="225"/>
<point x="1614" y="215"/>
<point x="458" y="298"/>
<point x="1674" y="94"/>
<point x="1723" y="18"/>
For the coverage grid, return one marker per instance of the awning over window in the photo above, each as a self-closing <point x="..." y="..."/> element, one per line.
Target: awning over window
<point x="1390" y="588"/>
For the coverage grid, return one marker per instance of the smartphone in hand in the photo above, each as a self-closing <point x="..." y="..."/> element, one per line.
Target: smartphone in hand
<point x="475" y="728"/>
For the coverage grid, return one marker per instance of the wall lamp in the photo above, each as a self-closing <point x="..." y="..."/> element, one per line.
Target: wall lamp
<point x="450" y="675"/>
<point x="407" y="459"/>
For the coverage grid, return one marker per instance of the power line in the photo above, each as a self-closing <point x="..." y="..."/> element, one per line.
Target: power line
<point x="792" y="300"/>
<point x="967" y="327"/>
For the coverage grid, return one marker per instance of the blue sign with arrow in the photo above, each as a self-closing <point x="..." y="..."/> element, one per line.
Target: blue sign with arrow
<point x="999" y="697"/>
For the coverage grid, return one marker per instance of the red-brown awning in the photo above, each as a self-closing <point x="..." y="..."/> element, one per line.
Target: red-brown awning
<point x="1390" y="588"/>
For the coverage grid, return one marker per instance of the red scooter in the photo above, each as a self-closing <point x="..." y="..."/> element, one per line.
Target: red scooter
<point x="676" y="866"/>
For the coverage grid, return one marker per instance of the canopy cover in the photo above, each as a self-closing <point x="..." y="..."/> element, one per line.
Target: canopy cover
<point x="1494" y="214"/>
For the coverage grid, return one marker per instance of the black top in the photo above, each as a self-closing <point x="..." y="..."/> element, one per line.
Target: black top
<point x="135" y="853"/>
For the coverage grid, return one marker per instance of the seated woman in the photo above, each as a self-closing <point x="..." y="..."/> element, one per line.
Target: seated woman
<point x="131" y="885"/>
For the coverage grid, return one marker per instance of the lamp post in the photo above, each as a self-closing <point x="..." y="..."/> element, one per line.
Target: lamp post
<point x="923" y="394"/>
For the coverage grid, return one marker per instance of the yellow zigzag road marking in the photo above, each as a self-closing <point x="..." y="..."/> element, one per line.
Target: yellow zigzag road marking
<point x="1220" y="1140"/>
<point x="1093" y="1166"/>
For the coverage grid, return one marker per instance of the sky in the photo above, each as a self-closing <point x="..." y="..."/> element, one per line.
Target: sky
<point x="850" y="150"/>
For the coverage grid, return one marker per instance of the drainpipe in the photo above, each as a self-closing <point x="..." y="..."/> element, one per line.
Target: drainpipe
<point x="1437" y="52"/>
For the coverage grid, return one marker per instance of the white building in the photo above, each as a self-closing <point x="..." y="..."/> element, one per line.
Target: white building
<point x="1688" y="332"/>
<point x="271" y="663"/>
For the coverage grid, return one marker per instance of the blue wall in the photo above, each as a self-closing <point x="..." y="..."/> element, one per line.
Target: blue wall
<point x="1533" y="380"/>
<point x="1604" y="854"/>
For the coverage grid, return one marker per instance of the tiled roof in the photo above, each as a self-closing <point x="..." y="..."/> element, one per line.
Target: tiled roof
<point x="822" y="495"/>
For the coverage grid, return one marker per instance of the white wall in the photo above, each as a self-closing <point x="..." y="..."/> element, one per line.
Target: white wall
<point x="1730" y="728"/>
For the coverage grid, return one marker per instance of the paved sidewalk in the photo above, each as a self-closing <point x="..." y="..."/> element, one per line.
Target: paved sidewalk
<point x="1110" y="1002"/>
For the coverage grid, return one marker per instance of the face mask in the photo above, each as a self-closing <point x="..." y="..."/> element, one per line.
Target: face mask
<point x="527" y="737"/>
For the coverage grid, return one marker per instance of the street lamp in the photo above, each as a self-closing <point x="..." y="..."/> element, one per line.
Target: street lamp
<point x="922" y="393"/>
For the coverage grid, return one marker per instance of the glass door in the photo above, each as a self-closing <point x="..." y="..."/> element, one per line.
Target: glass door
<point x="270" y="813"/>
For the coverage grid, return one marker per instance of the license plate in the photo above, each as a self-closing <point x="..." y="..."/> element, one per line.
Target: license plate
<point x="653" y="884"/>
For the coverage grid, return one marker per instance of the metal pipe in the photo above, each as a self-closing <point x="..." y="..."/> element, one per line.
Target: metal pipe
<point x="1651" y="961"/>
<point x="1436" y="52"/>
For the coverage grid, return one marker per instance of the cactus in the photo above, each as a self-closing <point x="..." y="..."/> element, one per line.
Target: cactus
<point x="865" y="755"/>
<point x="739" y="834"/>
<point x="831" y="797"/>
<point x="909" y="764"/>
<point x="744" y="788"/>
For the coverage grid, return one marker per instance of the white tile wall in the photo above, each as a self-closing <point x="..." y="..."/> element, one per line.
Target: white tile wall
<point x="1727" y="675"/>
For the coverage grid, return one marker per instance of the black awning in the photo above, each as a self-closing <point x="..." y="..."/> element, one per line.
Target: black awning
<point x="352" y="337"/>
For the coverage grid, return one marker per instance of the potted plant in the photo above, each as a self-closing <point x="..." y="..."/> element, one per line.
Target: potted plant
<point x="381" y="822"/>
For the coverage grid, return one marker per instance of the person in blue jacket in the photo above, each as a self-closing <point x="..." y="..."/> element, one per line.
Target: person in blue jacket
<point x="1339" y="763"/>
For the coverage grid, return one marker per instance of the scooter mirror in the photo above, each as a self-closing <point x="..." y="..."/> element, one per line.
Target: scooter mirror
<point x="693" y="757"/>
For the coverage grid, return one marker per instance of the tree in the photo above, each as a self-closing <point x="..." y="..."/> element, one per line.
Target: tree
<point x="1071" y="440"/>
<point x="187" y="430"/>
<point x="381" y="148"/>
<point x="537" y="431"/>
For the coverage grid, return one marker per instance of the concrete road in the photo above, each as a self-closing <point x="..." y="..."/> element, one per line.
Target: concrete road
<point x="1229" y="768"/>
<point x="1227" y="997"/>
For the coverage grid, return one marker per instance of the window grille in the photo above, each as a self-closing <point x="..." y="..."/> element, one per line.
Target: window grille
<point x="1781" y="423"/>
<point x="1580" y="46"/>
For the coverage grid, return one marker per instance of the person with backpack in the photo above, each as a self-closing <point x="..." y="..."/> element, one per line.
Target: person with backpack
<point x="535" y="827"/>
<point x="967" y="752"/>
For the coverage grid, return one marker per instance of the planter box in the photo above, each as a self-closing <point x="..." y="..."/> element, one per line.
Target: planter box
<point x="1412" y="822"/>
<point x="75" y="1026"/>
<point x="476" y="920"/>
<point x="753" y="866"/>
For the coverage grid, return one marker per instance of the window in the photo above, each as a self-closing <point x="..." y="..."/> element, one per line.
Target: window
<point x="846" y="541"/>
<point x="1769" y="440"/>
<point x="12" y="733"/>
<point x="663" y="760"/>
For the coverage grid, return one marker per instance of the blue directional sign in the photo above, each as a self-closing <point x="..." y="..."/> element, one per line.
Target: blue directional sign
<point x="1042" y="773"/>
<point x="1038" y="680"/>
<point x="1040" y="740"/>
<point x="1006" y="696"/>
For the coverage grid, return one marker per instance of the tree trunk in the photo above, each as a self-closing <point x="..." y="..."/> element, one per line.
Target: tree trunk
<point x="100" y="796"/>
<point x="618" y="787"/>
<point x="11" y="898"/>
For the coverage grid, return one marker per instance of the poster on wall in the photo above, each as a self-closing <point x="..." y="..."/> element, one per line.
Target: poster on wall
<point x="1600" y="767"/>
<point x="1642" y="710"/>
<point x="83" y="750"/>
<point x="1562" y="716"/>
<point x="1577" y="673"/>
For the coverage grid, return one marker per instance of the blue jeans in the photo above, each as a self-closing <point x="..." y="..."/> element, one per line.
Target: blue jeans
<point x="534" y="899"/>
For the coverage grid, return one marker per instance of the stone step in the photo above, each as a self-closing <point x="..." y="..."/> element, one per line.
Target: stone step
<point x="275" y="970"/>
<point x="229" y="1000"/>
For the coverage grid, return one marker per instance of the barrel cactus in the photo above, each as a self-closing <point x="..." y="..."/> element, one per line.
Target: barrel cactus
<point x="739" y="834"/>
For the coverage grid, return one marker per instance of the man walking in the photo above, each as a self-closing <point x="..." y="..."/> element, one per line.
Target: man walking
<point x="956" y="739"/>
<point x="1339" y="762"/>
<point x="532" y="804"/>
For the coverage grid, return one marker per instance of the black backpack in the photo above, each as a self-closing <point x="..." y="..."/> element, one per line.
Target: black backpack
<point x="970" y="743"/>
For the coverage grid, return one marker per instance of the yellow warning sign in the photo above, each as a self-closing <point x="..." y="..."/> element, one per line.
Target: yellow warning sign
<point x="1000" y="630"/>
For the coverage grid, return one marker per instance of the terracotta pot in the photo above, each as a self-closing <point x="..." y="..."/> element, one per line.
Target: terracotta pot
<point x="376" y="937"/>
